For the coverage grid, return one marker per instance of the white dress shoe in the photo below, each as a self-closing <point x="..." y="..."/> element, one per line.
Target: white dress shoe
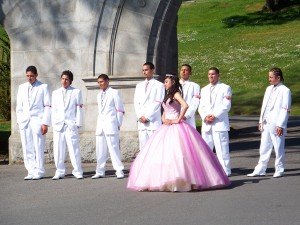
<point x="28" y="177"/>
<point x="98" y="175"/>
<point x="120" y="175"/>
<point x="277" y="175"/>
<point x="37" y="177"/>
<point x="57" y="177"/>
<point x="79" y="176"/>
<point x="255" y="175"/>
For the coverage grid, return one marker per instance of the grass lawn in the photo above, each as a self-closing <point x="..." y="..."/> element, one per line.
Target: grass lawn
<point x="243" y="43"/>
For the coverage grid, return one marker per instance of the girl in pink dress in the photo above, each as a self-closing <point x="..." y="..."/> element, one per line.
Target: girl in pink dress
<point x="176" y="158"/>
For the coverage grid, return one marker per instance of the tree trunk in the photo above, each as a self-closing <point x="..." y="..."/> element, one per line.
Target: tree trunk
<point x="275" y="5"/>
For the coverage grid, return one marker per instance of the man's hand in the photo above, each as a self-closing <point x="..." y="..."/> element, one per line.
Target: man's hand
<point x="143" y="119"/>
<point x="44" y="129"/>
<point x="279" y="131"/>
<point x="209" y="118"/>
<point x="260" y="127"/>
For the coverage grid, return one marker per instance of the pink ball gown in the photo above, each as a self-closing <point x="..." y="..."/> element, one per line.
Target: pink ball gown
<point x="176" y="158"/>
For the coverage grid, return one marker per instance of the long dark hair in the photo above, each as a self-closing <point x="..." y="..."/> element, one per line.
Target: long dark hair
<point x="176" y="87"/>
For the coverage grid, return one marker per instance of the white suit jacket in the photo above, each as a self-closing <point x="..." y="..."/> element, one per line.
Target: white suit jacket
<point x="37" y="111"/>
<point x="191" y="94"/>
<point x="219" y="106"/>
<point x="70" y="112"/>
<point x="280" y="106"/>
<point x="149" y="104"/>
<point x="110" y="115"/>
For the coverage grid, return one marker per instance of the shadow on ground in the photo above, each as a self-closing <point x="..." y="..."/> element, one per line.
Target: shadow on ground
<point x="249" y="136"/>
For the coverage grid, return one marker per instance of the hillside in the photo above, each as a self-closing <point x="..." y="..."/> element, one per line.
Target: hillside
<point x="243" y="43"/>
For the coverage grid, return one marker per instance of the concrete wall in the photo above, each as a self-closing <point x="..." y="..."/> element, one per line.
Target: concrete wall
<point x="90" y="37"/>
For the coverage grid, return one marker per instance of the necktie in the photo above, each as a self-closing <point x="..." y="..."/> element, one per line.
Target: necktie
<point x="146" y="86"/>
<point x="30" y="89"/>
<point x="102" y="98"/>
<point x="271" y="97"/>
<point x="211" y="92"/>
<point x="269" y="105"/>
<point x="64" y="95"/>
<point x="184" y="90"/>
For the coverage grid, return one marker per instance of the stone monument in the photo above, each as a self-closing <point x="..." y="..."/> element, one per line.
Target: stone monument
<point x="90" y="37"/>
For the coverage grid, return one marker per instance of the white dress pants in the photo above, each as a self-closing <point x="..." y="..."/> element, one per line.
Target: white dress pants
<point x="33" y="146"/>
<point x="144" y="136"/>
<point x="108" y="143"/>
<point x="269" y="139"/>
<point x="62" y="139"/>
<point x="219" y="140"/>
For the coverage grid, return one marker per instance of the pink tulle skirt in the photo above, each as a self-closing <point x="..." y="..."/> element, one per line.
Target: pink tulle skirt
<point x="176" y="158"/>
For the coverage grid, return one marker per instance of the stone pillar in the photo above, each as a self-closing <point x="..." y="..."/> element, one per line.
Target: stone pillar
<point x="90" y="37"/>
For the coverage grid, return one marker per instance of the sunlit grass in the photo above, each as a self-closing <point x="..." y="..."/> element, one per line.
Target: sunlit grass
<point x="244" y="44"/>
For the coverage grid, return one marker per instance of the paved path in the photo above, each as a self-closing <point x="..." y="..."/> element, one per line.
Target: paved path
<point x="248" y="201"/>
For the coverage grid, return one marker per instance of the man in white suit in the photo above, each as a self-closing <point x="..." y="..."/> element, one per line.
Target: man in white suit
<point x="213" y="108"/>
<point x="66" y="120"/>
<point x="148" y="97"/>
<point x="273" y="124"/>
<point x="191" y="94"/>
<point x="33" y="117"/>
<point x="109" y="121"/>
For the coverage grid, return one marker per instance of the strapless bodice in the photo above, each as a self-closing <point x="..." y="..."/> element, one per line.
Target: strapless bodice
<point x="172" y="110"/>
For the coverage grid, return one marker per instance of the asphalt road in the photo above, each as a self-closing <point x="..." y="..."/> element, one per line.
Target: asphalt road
<point x="248" y="201"/>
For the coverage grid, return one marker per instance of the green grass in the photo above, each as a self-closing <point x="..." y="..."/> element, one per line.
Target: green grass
<point x="244" y="43"/>
<point x="4" y="126"/>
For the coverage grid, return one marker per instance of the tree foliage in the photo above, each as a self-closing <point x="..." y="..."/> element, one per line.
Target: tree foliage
<point x="5" y="101"/>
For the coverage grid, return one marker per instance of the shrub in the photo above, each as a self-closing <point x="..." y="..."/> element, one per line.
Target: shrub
<point x="5" y="101"/>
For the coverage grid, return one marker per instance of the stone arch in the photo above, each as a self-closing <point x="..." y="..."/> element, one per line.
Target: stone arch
<point x="153" y="39"/>
<point x="162" y="46"/>
<point x="90" y="37"/>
